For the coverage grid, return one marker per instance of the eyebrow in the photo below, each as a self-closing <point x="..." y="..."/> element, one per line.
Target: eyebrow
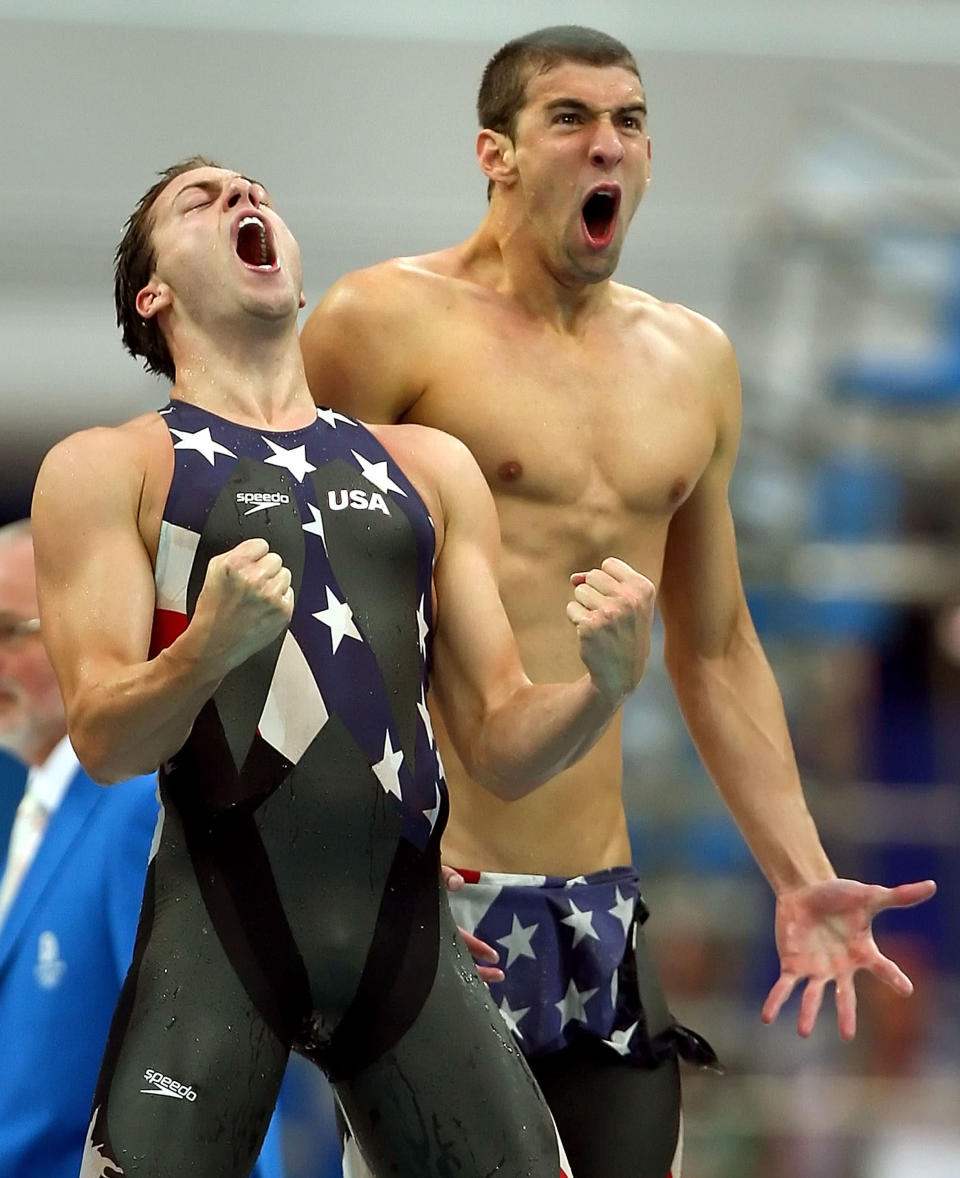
<point x="578" y="104"/>
<point x="212" y="186"/>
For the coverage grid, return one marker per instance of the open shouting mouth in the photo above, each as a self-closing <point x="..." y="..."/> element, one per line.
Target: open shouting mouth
<point x="599" y="214"/>
<point x="254" y="244"/>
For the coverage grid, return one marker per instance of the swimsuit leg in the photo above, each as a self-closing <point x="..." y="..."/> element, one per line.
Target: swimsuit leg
<point x="191" y="1070"/>
<point x="453" y="1095"/>
<point x="616" y="1120"/>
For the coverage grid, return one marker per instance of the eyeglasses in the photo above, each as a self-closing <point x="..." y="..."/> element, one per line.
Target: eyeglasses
<point x="12" y="631"/>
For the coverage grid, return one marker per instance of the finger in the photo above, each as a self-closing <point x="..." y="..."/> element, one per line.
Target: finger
<point x="810" y="1006"/>
<point x="287" y="601"/>
<point x="779" y="993"/>
<point x="891" y="975"/>
<point x="846" y="1007"/>
<point x="480" y="949"/>
<point x="589" y="597"/>
<point x="490" y="973"/>
<point x="618" y="569"/>
<point x="577" y="614"/>
<point x="280" y="582"/>
<point x="604" y="584"/>
<point x="905" y="895"/>
<point x="267" y="566"/>
<point x="452" y="878"/>
<point x="251" y="549"/>
<point x="577" y="578"/>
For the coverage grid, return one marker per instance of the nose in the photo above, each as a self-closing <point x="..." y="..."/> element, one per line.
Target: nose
<point x="606" y="150"/>
<point x="239" y="189"/>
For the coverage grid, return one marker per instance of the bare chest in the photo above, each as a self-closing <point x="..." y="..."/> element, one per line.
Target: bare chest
<point x="606" y="432"/>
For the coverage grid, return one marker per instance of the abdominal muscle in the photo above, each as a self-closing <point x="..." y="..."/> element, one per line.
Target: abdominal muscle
<point x="574" y="823"/>
<point x="571" y="825"/>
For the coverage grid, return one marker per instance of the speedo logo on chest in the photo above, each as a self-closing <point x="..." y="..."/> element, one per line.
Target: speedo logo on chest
<point x="261" y="500"/>
<point x="358" y="499"/>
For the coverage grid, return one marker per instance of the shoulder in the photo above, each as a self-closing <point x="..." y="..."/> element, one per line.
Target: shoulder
<point x="439" y="465"/>
<point x="386" y="292"/>
<point x="692" y="345"/>
<point x="121" y="451"/>
<point x="679" y="323"/>
<point x="422" y="448"/>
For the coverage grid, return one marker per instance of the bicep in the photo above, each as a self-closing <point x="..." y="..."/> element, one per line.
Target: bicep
<point x="94" y="576"/>
<point x="701" y="593"/>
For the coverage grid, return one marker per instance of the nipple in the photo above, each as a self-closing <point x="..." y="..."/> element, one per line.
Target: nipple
<point x="678" y="492"/>
<point x="510" y="470"/>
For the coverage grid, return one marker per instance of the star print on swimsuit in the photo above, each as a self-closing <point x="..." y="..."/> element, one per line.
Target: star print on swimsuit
<point x="299" y="482"/>
<point x="202" y="443"/>
<point x="563" y="940"/>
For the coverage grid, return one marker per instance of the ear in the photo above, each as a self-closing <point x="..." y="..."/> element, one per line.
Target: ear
<point x="497" y="156"/>
<point x="152" y="298"/>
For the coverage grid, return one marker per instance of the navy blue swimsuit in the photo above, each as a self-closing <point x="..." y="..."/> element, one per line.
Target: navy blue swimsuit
<point x="293" y="900"/>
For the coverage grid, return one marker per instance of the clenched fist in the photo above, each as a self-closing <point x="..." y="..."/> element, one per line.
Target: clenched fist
<point x="245" y="602"/>
<point x="612" y="609"/>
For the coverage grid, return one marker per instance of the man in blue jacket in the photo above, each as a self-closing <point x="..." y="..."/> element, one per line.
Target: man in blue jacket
<point x="69" y="901"/>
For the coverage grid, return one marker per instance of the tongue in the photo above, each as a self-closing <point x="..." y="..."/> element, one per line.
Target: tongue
<point x="249" y="248"/>
<point x="598" y="218"/>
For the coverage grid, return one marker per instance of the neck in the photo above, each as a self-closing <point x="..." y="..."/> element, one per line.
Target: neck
<point x="505" y="255"/>
<point x="255" y="378"/>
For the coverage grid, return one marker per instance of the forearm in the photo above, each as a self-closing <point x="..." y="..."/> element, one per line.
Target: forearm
<point x="539" y="731"/>
<point x="733" y="711"/>
<point x="133" y="719"/>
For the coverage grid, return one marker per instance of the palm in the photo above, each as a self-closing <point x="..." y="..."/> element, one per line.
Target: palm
<point x="823" y="933"/>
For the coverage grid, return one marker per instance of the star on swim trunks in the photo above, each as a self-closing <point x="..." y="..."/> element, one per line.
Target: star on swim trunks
<point x="581" y="923"/>
<point x="517" y="941"/>
<point x="571" y="1005"/>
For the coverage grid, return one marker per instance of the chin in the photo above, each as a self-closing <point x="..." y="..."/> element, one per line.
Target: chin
<point x="596" y="270"/>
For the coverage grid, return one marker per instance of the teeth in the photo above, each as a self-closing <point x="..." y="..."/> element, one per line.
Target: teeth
<point x="250" y="221"/>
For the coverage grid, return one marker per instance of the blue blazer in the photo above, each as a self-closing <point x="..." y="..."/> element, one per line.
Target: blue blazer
<point x="64" y="951"/>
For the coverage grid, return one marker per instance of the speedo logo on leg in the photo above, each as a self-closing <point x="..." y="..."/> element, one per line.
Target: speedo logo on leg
<point x="261" y="500"/>
<point x="166" y="1086"/>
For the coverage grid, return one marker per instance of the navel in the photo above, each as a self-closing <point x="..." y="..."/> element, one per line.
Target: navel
<point x="510" y="470"/>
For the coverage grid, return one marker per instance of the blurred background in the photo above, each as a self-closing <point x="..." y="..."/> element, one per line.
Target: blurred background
<point x="806" y="195"/>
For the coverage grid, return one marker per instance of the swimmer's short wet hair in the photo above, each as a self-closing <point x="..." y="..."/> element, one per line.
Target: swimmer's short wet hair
<point x="503" y="87"/>
<point x="133" y="265"/>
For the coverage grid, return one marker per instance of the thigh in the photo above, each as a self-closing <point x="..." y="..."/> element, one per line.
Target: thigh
<point x="616" y="1120"/>
<point x="191" y="1071"/>
<point x="453" y="1095"/>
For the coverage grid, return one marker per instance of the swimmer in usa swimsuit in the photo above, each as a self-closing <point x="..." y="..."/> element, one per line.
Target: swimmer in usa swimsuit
<point x="252" y="595"/>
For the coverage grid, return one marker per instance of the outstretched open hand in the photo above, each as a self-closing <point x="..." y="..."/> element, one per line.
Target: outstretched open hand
<point x="823" y="934"/>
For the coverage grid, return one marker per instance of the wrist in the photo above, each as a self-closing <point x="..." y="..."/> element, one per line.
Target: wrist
<point x="193" y="659"/>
